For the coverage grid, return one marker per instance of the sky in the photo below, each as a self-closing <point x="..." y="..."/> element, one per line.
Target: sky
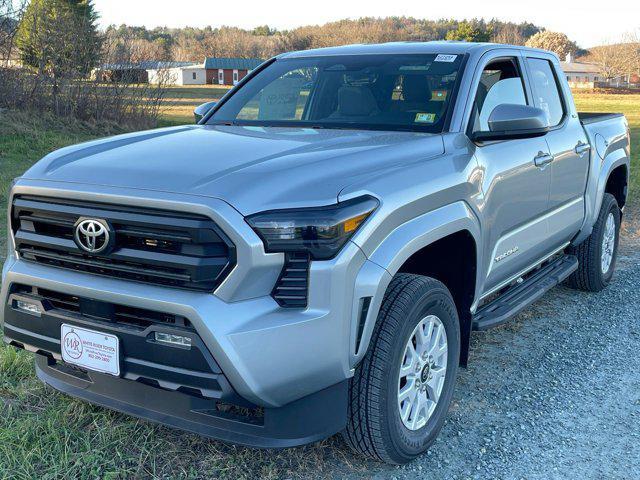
<point x="587" y="22"/>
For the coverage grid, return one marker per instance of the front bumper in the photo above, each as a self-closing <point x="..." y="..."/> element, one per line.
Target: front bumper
<point x="307" y="420"/>
<point x="270" y="357"/>
<point x="171" y="385"/>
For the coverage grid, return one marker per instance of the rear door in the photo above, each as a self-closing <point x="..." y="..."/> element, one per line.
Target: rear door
<point x="516" y="190"/>
<point x="568" y="145"/>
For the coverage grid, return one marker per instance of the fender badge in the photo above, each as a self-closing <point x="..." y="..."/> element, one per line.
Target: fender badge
<point x="506" y="254"/>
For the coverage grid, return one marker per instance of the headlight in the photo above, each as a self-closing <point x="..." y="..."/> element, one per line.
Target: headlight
<point x="320" y="231"/>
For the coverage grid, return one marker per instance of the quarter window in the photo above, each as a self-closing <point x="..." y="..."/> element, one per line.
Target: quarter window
<point x="546" y="90"/>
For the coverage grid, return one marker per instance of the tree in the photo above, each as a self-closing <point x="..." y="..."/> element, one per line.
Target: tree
<point x="511" y="33"/>
<point x="556" y="42"/>
<point x="10" y="12"/>
<point x="617" y="59"/>
<point x="263" y="31"/>
<point x="470" y="32"/>
<point x="59" y="37"/>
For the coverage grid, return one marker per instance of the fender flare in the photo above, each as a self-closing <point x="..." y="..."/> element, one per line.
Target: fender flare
<point x="389" y="256"/>
<point x="596" y="188"/>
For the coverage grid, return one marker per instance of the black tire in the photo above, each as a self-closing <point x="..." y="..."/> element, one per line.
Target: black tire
<point x="589" y="275"/>
<point x="375" y="428"/>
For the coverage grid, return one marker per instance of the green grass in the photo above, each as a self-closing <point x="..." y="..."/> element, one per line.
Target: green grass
<point x="630" y="106"/>
<point x="47" y="435"/>
<point x="44" y="434"/>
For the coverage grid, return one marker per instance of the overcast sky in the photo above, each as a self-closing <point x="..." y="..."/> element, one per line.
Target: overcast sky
<point x="588" y="22"/>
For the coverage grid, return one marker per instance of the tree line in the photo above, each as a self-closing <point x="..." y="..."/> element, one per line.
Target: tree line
<point x="193" y="44"/>
<point x="58" y="44"/>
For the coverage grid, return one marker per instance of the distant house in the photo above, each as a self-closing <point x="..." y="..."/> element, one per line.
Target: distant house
<point x="581" y="75"/>
<point x="142" y="72"/>
<point x="228" y="71"/>
<point x="217" y="71"/>
<point x="120" y="72"/>
<point x="177" y="73"/>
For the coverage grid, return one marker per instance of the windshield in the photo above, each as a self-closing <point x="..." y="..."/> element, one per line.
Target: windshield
<point x="383" y="92"/>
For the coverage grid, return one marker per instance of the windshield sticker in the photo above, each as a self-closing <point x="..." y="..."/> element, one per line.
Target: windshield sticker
<point x="438" y="95"/>
<point x="445" y="58"/>
<point x="425" y="118"/>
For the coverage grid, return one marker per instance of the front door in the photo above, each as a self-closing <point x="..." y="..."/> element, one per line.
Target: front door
<point x="515" y="183"/>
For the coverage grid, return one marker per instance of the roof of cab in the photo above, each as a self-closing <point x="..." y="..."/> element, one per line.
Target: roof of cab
<point x="445" y="47"/>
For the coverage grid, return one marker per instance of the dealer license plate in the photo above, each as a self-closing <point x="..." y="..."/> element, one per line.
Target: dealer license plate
<point x="90" y="349"/>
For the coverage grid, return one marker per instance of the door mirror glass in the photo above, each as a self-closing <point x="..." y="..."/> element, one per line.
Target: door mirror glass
<point x="509" y="121"/>
<point x="201" y="110"/>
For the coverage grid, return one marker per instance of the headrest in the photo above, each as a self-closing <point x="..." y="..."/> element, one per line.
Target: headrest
<point x="356" y="102"/>
<point x="415" y="88"/>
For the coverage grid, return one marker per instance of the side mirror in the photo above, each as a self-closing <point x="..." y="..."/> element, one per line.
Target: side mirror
<point x="509" y="121"/>
<point x="201" y="110"/>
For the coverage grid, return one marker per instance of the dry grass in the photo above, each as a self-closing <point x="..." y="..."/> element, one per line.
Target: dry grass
<point x="180" y="102"/>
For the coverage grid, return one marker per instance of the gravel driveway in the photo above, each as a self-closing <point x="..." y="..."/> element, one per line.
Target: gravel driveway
<point x="555" y="393"/>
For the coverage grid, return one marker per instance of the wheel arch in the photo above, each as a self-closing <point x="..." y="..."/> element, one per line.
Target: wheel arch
<point x="617" y="184"/>
<point x="608" y="178"/>
<point x="443" y="244"/>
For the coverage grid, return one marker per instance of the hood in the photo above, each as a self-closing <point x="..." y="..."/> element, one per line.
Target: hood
<point x="251" y="168"/>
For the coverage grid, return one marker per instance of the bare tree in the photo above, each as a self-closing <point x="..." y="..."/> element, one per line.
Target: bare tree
<point x="609" y="59"/>
<point x="631" y="49"/>
<point x="509" y="34"/>
<point x="67" y="92"/>
<point x="618" y="59"/>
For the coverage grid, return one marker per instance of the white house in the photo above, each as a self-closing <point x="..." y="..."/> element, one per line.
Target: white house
<point x="580" y="74"/>
<point x="193" y="74"/>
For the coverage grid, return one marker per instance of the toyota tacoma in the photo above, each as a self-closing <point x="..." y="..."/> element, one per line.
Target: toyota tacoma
<point x="313" y="255"/>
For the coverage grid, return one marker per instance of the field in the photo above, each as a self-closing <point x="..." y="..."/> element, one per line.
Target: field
<point x="47" y="435"/>
<point x="182" y="100"/>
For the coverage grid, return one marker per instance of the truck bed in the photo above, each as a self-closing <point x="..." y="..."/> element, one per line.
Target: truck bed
<point x="587" y="118"/>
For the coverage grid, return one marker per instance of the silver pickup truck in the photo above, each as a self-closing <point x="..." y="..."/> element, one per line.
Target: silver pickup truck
<point x="313" y="255"/>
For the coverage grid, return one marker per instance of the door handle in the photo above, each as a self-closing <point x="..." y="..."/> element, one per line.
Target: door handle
<point x="582" y="148"/>
<point x="543" y="159"/>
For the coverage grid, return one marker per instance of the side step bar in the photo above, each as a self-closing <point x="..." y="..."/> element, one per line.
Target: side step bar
<point x="523" y="294"/>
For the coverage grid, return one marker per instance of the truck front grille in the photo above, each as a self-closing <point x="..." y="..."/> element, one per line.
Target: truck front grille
<point x="153" y="246"/>
<point x="139" y="318"/>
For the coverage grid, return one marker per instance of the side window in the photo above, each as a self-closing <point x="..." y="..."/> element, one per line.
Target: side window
<point x="545" y="90"/>
<point x="500" y="82"/>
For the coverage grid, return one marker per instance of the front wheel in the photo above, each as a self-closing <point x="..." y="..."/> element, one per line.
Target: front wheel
<point x="402" y="389"/>
<point x="597" y="254"/>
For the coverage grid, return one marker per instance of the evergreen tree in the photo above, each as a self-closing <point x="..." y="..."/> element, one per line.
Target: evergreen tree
<point x="470" y="32"/>
<point x="59" y="37"/>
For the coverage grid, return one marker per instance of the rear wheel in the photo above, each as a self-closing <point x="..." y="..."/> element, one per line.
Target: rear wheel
<point x="597" y="254"/>
<point x="402" y="389"/>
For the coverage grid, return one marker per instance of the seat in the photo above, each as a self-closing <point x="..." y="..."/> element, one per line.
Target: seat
<point x="355" y="102"/>
<point x="417" y="96"/>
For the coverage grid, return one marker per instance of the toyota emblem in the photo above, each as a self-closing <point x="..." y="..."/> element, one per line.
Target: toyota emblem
<point x="92" y="235"/>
